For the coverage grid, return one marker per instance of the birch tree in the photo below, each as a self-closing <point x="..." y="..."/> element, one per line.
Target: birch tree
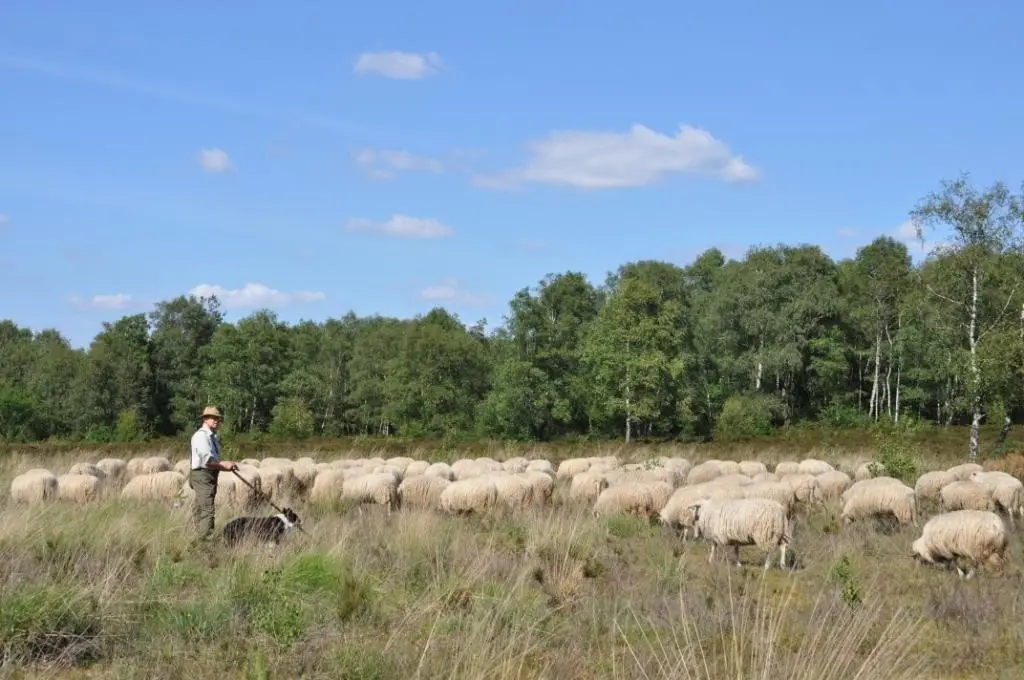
<point x="983" y="226"/>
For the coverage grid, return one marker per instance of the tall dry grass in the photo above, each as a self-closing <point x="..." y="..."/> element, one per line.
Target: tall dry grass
<point x="109" y="590"/>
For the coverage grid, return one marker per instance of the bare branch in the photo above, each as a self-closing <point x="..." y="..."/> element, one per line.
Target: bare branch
<point x="951" y="301"/>
<point x="1002" y="313"/>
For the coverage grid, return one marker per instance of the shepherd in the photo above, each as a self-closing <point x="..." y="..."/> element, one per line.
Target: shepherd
<point x="205" y="468"/>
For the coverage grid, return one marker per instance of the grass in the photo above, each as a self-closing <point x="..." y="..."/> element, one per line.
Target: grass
<point x="109" y="590"/>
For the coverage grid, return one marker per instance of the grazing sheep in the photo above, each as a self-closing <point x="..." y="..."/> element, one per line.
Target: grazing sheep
<point x="377" y="487"/>
<point x="965" y="495"/>
<point x="571" y="467"/>
<point x="963" y="472"/>
<point x="644" y="499"/>
<point x="148" y="466"/>
<point x="975" y="535"/>
<point x="765" y="477"/>
<point x="1007" y="492"/>
<point x="704" y="472"/>
<point x="514" y="491"/>
<point x="930" y="484"/>
<point x="541" y="465"/>
<point x="743" y="521"/>
<point x="805" y="487"/>
<point x="752" y="468"/>
<point x="732" y="479"/>
<point x="155" y="486"/>
<point x="115" y="469"/>
<point x="327" y="487"/>
<point x="787" y="467"/>
<point x="79" y="488"/>
<point x="515" y="465"/>
<point x="443" y="470"/>
<point x="422" y="491"/>
<point x="87" y="469"/>
<point x="813" y="466"/>
<point x="864" y="471"/>
<point x="587" y="486"/>
<point x="34" y="486"/>
<point x="474" y="494"/>
<point x="400" y="463"/>
<point x="865" y="499"/>
<point x="776" y="491"/>
<point x="417" y="467"/>
<point x="543" y="484"/>
<point x="832" y="484"/>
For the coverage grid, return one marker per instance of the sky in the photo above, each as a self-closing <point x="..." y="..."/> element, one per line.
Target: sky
<point x="392" y="157"/>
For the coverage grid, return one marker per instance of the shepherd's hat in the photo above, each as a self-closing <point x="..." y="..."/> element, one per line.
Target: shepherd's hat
<point x="211" y="412"/>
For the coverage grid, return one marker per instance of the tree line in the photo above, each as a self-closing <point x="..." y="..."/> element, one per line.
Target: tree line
<point x="715" y="349"/>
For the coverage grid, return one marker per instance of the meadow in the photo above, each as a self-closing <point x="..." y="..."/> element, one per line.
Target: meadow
<point x="110" y="590"/>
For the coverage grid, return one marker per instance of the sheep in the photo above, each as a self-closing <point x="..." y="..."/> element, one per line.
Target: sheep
<point x="147" y="466"/>
<point x="34" y="486"/>
<point x="752" y="468"/>
<point x="813" y="466"/>
<point x="966" y="495"/>
<point x="443" y="470"/>
<point x="644" y="499"/>
<point x="165" y="485"/>
<point x="963" y="472"/>
<point x="401" y="463"/>
<point x="703" y="472"/>
<point x="863" y="471"/>
<point x="327" y="487"/>
<point x="417" y="467"/>
<point x="541" y="465"/>
<point x="776" y="491"/>
<point x="832" y="484"/>
<point x="587" y="486"/>
<point x="469" y="495"/>
<point x="514" y="491"/>
<point x="78" y="488"/>
<point x="515" y="465"/>
<point x="805" y="487"/>
<point x="787" y="467"/>
<point x="865" y="499"/>
<point x="930" y="484"/>
<point x="376" y="487"/>
<point x="87" y="469"/>
<point x="571" y="467"/>
<point x="543" y="484"/>
<point x="976" y="535"/>
<point x="743" y="521"/>
<point x="422" y="491"/>
<point x="115" y="469"/>
<point x="765" y="477"/>
<point x="1007" y="492"/>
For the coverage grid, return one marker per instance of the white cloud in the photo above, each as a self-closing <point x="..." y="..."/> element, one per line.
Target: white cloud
<point x="254" y="296"/>
<point x="215" y="160"/>
<point x="403" y="226"/>
<point x="451" y="290"/>
<point x="386" y="163"/>
<point x="641" y="156"/>
<point x="398" y="65"/>
<point x="106" y="302"/>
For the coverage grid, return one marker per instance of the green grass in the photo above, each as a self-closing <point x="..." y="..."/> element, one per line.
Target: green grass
<point x="109" y="590"/>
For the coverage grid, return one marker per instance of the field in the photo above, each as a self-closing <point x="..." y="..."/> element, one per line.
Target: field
<point x="110" y="590"/>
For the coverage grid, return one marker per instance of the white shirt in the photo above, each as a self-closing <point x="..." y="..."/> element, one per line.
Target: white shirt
<point x="205" y="448"/>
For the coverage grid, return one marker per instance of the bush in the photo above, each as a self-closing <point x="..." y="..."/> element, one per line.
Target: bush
<point x="746" y="416"/>
<point x="896" y="455"/>
<point x="292" y="419"/>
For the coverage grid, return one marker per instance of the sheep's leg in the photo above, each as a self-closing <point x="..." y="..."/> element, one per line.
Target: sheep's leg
<point x="711" y="555"/>
<point x="736" y="554"/>
<point x="782" y="555"/>
<point x="768" y="559"/>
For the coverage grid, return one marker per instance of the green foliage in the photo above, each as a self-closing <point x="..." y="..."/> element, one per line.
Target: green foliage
<point x="841" y="573"/>
<point x="292" y="419"/>
<point x="745" y="416"/>
<point x="896" y="454"/>
<point x="129" y="427"/>
<point x="45" y="624"/>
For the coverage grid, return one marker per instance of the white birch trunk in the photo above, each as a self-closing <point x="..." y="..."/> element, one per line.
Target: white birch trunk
<point x="975" y="369"/>
<point x="873" y="408"/>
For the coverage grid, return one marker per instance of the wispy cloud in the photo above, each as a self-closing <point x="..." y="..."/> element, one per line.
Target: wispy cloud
<point x="635" y="158"/>
<point x="255" y="296"/>
<point x="215" y="160"/>
<point x="116" y="301"/>
<point x="386" y="163"/>
<point x="149" y="88"/>
<point x="398" y="65"/>
<point x="403" y="226"/>
<point x="452" y="290"/>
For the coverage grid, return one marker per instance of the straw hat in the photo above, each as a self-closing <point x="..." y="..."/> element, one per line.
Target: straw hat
<point x="211" y="412"/>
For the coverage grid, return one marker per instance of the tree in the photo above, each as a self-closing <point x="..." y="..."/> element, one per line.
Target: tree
<point x="985" y="226"/>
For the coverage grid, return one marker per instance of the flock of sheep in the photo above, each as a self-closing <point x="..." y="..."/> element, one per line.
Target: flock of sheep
<point x="727" y="503"/>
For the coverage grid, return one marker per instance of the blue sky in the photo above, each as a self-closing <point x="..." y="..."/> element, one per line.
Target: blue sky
<point x="389" y="157"/>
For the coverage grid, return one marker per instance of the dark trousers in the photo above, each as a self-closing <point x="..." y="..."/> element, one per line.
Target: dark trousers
<point x="204" y="483"/>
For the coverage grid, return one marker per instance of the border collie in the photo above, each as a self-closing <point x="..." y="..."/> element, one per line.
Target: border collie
<point x="267" y="529"/>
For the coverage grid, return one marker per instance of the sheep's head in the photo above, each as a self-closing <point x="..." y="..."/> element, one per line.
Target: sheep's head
<point x="918" y="552"/>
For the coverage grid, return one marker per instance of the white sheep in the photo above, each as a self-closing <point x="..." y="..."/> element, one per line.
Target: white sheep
<point x="975" y="535"/>
<point x="34" y="486"/>
<point x="473" y="494"/>
<point x="743" y="521"/>
<point x="776" y="491"/>
<point x="79" y="488"/>
<point x="930" y="484"/>
<point x="422" y="491"/>
<point x="787" y="467"/>
<point x="570" y="467"/>
<point x="752" y="468"/>
<point x="541" y="465"/>
<point x="865" y="499"/>
<point x="1007" y="492"/>
<point x="147" y="465"/>
<point x="832" y="484"/>
<point x="966" y="495"/>
<point x="443" y="470"/>
<point x="704" y="472"/>
<point x="644" y="499"/>
<point x="327" y="487"/>
<point x="964" y="471"/>
<point x="417" y="467"/>
<point x="87" y="469"/>
<point x="585" y="487"/>
<point x="813" y="466"/>
<point x="163" y="486"/>
<point x="115" y="469"/>
<point x="377" y="487"/>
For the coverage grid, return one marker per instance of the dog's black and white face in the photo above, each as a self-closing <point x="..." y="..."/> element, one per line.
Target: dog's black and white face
<point x="263" y="529"/>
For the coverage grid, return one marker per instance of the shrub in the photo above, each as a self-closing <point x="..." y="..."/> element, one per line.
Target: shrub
<point x="746" y="416"/>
